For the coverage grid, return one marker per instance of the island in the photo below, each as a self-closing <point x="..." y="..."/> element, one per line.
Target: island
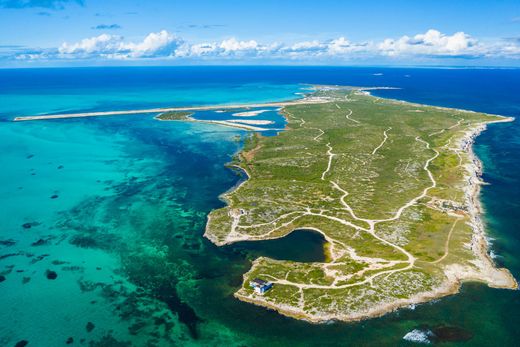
<point x="174" y="115"/>
<point x="392" y="186"/>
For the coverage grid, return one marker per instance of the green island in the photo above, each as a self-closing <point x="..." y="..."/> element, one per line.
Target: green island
<point x="393" y="188"/>
<point x="174" y="115"/>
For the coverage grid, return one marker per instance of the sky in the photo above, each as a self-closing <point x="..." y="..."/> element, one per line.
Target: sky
<point x="37" y="33"/>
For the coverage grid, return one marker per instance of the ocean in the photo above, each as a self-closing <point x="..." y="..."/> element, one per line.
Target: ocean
<point x="101" y="219"/>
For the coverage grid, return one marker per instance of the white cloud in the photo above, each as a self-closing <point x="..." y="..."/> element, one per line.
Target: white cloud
<point x="343" y="46"/>
<point x="160" y="44"/>
<point x="509" y="48"/>
<point x="233" y="45"/>
<point x="164" y="45"/>
<point x="103" y="43"/>
<point x="226" y="48"/>
<point x="200" y="49"/>
<point x="307" y="46"/>
<point x="431" y="43"/>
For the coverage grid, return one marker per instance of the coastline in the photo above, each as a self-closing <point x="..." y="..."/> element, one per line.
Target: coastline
<point x="486" y="270"/>
<point x="480" y="245"/>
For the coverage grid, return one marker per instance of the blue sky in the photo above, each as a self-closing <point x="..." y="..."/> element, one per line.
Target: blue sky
<point x="93" y="32"/>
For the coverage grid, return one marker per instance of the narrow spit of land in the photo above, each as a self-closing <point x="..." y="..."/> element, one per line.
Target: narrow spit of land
<point x="392" y="186"/>
<point x="308" y="100"/>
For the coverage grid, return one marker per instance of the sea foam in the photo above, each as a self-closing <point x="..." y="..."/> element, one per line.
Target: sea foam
<point x="418" y="336"/>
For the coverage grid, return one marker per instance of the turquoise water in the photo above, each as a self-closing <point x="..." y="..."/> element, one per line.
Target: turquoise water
<point x="116" y="207"/>
<point x="270" y="114"/>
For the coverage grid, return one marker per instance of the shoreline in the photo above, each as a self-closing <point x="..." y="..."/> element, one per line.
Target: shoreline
<point x="486" y="271"/>
<point x="480" y="245"/>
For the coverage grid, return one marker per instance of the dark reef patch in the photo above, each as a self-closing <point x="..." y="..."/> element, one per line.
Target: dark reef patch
<point x="158" y="277"/>
<point x="7" y="243"/>
<point x="40" y="242"/>
<point x="51" y="275"/>
<point x="89" y="327"/>
<point x="3" y="256"/>
<point x="21" y="343"/>
<point x="88" y="286"/>
<point x="9" y="269"/>
<point x="59" y="262"/>
<point x="54" y="196"/>
<point x="186" y="314"/>
<point x="98" y="240"/>
<point x="136" y="327"/>
<point x="29" y="225"/>
<point x="2" y="278"/>
<point x="445" y="333"/>
<point x="39" y="258"/>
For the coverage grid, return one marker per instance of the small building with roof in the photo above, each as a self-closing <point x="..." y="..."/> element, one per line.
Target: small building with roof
<point x="260" y="286"/>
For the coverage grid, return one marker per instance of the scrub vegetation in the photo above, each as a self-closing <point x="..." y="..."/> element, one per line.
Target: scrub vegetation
<point x="391" y="185"/>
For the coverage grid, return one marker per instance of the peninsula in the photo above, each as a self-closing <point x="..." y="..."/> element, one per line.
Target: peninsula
<point x="393" y="188"/>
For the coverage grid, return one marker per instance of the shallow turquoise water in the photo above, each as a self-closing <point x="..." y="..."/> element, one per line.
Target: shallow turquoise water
<point x="270" y="114"/>
<point x="116" y="206"/>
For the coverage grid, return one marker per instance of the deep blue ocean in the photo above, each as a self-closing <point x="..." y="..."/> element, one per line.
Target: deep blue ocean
<point x="101" y="219"/>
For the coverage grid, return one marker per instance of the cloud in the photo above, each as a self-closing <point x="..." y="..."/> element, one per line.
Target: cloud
<point x="198" y="50"/>
<point x="429" y="46"/>
<point x="102" y="44"/>
<point x="50" y="4"/>
<point x="226" y="48"/>
<point x="432" y="43"/>
<point x="306" y="46"/>
<point x="343" y="46"/>
<point x="233" y="45"/>
<point x="339" y="47"/>
<point x="160" y="44"/>
<point x="106" y="27"/>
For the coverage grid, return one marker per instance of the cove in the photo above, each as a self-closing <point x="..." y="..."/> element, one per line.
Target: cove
<point x="301" y="245"/>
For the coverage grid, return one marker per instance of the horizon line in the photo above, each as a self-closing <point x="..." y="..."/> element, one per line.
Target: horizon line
<point x="390" y="66"/>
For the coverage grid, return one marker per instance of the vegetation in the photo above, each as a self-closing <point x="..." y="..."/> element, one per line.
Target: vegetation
<point x="174" y="115"/>
<point x="386" y="182"/>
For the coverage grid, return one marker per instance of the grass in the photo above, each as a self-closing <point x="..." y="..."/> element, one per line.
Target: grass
<point x="369" y="176"/>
